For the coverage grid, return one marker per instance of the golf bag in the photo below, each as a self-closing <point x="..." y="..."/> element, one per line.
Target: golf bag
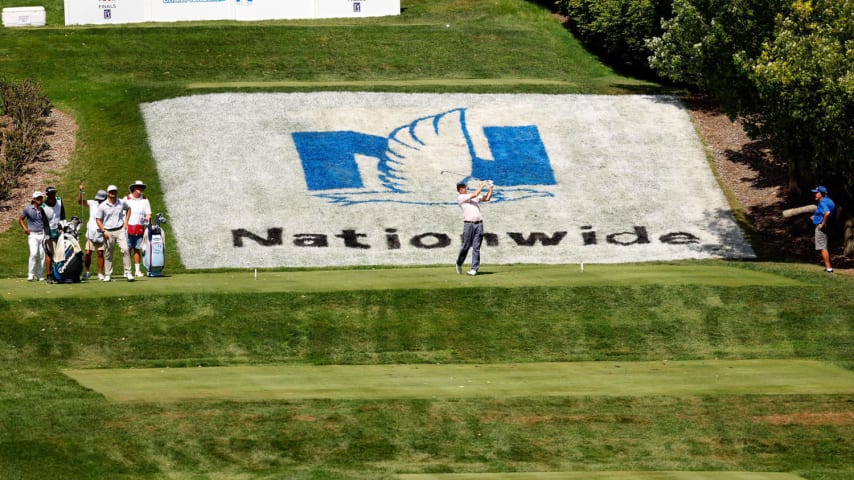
<point x="67" y="264"/>
<point x="154" y="256"/>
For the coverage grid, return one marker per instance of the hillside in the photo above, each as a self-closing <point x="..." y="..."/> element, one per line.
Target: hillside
<point x="746" y="167"/>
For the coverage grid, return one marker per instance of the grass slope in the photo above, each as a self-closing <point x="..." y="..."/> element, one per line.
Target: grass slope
<point x="101" y="74"/>
<point x="52" y="427"/>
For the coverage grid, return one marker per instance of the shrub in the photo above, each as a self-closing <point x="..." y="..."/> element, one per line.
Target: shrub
<point x="23" y="143"/>
<point x="617" y="29"/>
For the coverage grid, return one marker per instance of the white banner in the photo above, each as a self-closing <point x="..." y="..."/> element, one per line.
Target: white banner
<point x="184" y="10"/>
<point x="103" y="12"/>
<point x="280" y="9"/>
<point x="100" y="12"/>
<point x="319" y="179"/>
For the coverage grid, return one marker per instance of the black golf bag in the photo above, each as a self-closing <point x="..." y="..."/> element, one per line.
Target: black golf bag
<point x="67" y="264"/>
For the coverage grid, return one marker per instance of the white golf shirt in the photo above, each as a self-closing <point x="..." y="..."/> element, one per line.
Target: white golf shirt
<point x="470" y="207"/>
<point x="139" y="208"/>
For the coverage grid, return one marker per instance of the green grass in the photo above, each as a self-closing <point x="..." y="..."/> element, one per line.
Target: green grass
<point x="427" y="278"/>
<point x="373" y="382"/>
<point x="607" y="476"/>
<point x="52" y="427"/>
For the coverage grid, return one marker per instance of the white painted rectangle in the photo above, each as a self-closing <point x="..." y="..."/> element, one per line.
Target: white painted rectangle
<point x="350" y="178"/>
<point x="24" y="17"/>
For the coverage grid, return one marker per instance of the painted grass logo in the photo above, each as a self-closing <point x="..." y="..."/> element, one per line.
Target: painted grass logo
<point x="410" y="161"/>
<point x="321" y="179"/>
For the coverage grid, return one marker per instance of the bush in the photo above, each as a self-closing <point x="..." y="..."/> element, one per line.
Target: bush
<point x="23" y="143"/>
<point x="617" y="30"/>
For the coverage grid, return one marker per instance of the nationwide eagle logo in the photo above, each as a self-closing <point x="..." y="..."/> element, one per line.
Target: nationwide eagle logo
<point x="418" y="163"/>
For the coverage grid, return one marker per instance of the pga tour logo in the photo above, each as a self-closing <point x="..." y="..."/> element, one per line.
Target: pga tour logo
<point x="344" y="178"/>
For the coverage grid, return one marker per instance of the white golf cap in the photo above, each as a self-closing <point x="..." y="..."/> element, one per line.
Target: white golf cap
<point x="137" y="183"/>
<point x="112" y="188"/>
<point x="37" y="194"/>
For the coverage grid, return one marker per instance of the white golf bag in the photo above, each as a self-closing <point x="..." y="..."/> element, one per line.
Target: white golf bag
<point x="154" y="256"/>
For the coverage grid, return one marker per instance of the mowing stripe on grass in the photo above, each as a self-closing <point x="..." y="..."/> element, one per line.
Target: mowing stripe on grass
<point x="250" y="383"/>
<point x="605" y="476"/>
<point x="445" y="82"/>
<point x="501" y="276"/>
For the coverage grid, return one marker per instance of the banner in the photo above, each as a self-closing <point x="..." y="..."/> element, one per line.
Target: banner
<point x="101" y="12"/>
<point x="323" y="179"/>
<point x="104" y="12"/>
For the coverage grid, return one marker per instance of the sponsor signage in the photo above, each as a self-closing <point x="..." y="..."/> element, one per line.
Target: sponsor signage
<point x="24" y="17"/>
<point x="331" y="178"/>
<point x="103" y="12"/>
<point x="84" y="12"/>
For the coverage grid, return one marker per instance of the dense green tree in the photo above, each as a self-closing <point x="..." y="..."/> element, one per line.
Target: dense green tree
<point x="703" y="40"/>
<point x="785" y="66"/>
<point x="804" y="77"/>
<point x="617" y="29"/>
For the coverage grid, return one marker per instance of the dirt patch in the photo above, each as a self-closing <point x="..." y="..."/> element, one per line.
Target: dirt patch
<point x="305" y="418"/>
<point x="808" y="418"/>
<point x="757" y="179"/>
<point x="62" y="138"/>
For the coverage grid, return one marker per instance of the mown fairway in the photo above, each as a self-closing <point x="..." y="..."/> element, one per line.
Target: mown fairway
<point x="683" y="313"/>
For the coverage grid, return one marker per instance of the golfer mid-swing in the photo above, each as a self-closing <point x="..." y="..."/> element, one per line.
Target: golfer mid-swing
<point x="472" y="224"/>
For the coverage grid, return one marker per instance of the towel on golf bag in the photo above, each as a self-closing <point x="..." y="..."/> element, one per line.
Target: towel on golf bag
<point x="67" y="258"/>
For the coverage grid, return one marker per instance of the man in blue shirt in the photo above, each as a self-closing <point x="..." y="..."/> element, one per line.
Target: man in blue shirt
<point x="819" y="219"/>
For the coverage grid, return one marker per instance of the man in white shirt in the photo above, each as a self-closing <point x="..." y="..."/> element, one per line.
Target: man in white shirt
<point x="472" y="224"/>
<point x="111" y="217"/>
<point x="94" y="237"/>
<point x="138" y="216"/>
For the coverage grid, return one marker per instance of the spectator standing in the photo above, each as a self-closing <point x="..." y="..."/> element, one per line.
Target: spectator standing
<point x="34" y="222"/>
<point x="55" y="211"/>
<point x="138" y="216"/>
<point x="111" y="216"/>
<point x="94" y="237"/>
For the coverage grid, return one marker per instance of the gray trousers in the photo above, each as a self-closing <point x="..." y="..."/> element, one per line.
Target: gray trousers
<point x="120" y="238"/>
<point x="472" y="238"/>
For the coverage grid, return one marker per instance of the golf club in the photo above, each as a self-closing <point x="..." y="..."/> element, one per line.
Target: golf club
<point x="82" y="199"/>
<point x="465" y="175"/>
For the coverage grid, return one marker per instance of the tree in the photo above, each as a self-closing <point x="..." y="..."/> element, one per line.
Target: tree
<point x="804" y="77"/>
<point x="617" y="29"/>
<point x="784" y="66"/>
